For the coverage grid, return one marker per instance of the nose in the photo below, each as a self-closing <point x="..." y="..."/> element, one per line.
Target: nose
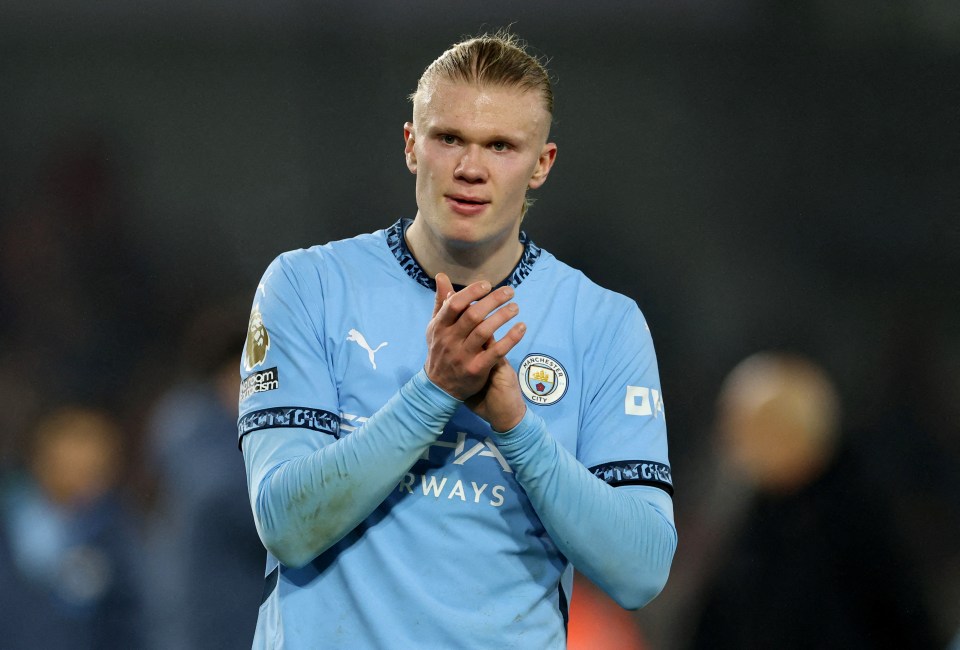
<point x="471" y="167"/>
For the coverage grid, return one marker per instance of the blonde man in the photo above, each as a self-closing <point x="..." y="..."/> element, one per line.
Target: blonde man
<point x="438" y="495"/>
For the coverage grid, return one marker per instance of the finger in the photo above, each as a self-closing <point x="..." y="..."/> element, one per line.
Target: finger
<point x="444" y="289"/>
<point x="482" y="335"/>
<point x="500" y="349"/>
<point x="454" y="306"/>
<point x="475" y="313"/>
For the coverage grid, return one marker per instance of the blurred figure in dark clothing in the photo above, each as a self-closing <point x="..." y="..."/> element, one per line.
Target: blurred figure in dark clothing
<point x="813" y="562"/>
<point x="68" y="551"/>
<point x="78" y="304"/>
<point x="910" y="438"/>
<point x="206" y="560"/>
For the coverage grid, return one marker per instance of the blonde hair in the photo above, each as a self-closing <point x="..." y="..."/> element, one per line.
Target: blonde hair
<point x="498" y="59"/>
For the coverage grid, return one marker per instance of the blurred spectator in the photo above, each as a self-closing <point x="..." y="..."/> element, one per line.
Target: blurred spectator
<point x="807" y="558"/>
<point x="206" y="559"/>
<point x="77" y="304"/>
<point x="910" y="437"/>
<point x="67" y="546"/>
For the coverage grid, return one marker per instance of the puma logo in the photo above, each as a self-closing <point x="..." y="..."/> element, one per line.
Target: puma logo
<point x="357" y="338"/>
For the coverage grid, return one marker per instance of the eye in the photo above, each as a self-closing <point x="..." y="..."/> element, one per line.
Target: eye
<point x="448" y="139"/>
<point x="500" y="146"/>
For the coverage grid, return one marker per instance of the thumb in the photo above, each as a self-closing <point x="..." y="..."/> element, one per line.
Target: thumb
<point x="444" y="289"/>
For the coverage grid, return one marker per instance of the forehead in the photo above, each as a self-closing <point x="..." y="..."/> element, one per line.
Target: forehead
<point x="459" y="104"/>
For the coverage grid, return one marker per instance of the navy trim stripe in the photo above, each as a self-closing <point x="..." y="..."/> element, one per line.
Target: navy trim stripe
<point x="289" y="416"/>
<point x="564" y="609"/>
<point x="270" y="583"/>
<point x="635" y="472"/>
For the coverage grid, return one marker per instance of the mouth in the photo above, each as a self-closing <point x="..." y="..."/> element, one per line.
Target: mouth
<point x="466" y="201"/>
<point x="466" y="206"/>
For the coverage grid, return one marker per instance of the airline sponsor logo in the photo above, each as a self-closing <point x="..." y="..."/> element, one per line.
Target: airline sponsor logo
<point x="642" y="400"/>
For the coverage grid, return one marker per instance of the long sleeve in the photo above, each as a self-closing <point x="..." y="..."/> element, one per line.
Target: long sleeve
<point x="304" y="500"/>
<point x="622" y="538"/>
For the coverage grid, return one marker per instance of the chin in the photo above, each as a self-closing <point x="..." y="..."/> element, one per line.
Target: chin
<point x="461" y="230"/>
<point x="462" y="238"/>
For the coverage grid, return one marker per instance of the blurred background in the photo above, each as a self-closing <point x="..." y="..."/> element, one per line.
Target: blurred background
<point x="778" y="177"/>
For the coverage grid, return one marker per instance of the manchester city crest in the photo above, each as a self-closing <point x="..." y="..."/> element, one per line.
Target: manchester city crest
<point x="542" y="379"/>
<point x="258" y="341"/>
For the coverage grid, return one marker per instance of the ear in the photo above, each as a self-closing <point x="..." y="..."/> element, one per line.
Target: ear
<point x="547" y="157"/>
<point x="408" y="142"/>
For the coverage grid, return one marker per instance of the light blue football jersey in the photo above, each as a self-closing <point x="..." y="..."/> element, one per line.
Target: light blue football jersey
<point x="455" y="557"/>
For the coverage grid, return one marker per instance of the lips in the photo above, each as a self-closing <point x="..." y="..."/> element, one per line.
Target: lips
<point x="465" y="204"/>
<point x="469" y="200"/>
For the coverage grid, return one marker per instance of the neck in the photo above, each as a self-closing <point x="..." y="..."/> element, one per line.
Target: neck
<point x="492" y="260"/>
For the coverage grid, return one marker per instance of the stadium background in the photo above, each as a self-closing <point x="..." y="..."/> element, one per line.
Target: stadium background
<point x="757" y="175"/>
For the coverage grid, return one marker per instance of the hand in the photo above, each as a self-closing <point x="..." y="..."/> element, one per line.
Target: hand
<point x="461" y="350"/>
<point x="499" y="402"/>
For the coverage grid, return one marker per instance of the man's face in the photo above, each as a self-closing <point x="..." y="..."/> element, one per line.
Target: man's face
<point x="475" y="151"/>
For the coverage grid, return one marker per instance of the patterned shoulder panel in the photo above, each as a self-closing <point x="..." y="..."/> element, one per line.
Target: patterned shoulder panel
<point x="398" y="245"/>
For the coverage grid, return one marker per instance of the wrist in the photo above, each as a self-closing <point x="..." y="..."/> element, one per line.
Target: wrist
<point x="509" y="426"/>
<point x="434" y="384"/>
<point x="530" y="429"/>
<point x="504" y="425"/>
<point x="425" y="386"/>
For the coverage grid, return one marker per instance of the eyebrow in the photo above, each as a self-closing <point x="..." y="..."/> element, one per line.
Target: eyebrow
<point x="437" y="128"/>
